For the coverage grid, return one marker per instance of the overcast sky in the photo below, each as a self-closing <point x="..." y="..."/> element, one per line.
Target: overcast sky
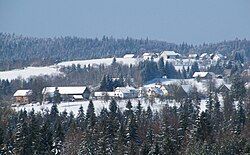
<point x="192" y="21"/>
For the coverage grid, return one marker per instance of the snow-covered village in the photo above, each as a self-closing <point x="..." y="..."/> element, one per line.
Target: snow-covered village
<point x="124" y="77"/>
<point x="191" y="74"/>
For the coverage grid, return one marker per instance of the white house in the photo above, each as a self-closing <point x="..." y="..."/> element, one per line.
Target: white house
<point x="169" y="55"/>
<point x="126" y="92"/>
<point x="129" y="56"/>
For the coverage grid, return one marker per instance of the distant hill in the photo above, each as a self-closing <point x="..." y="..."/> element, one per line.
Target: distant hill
<point x="20" y="51"/>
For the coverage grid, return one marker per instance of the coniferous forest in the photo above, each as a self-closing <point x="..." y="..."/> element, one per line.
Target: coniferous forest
<point x="183" y="129"/>
<point x="21" y="51"/>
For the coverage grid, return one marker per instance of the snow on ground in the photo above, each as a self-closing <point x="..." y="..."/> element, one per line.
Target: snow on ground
<point x="54" y="69"/>
<point x="28" y="72"/>
<point x="99" y="104"/>
<point x="201" y="86"/>
<point x="105" y="61"/>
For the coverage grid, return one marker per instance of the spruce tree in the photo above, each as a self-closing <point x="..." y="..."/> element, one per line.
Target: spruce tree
<point x="112" y="127"/>
<point x="35" y="135"/>
<point x="22" y="141"/>
<point x="161" y="67"/>
<point x="102" y="143"/>
<point x="90" y="115"/>
<point x="103" y="84"/>
<point x="204" y="128"/>
<point x="238" y="90"/>
<point x="241" y="117"/>
<point x="46" y="139"/>
<point x="80" y="119"/>
<point x="58" y="138"/>
<point x="57" y="96"/>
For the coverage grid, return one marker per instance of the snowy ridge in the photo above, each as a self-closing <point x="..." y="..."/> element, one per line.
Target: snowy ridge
<point x="54" y="69"/>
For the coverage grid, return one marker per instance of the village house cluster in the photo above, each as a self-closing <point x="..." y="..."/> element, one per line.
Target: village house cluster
<point x="78" y="93"/>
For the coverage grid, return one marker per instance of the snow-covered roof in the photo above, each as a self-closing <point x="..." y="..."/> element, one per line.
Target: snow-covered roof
<point x="26" y="92"/>
<point x="65" y="90"/>
<point x="128" y="56"/>
<point x="148" y="54"/>
<point x="204" y="55"/>
<point x="228" y="86"/>
<point x="169" y="53"/>
<point x="202" y="74"/>
<point x="217" y="57"/>
<point x="247" y="85"/>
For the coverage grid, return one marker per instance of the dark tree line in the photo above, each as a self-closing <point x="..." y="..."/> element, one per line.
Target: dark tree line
<point x="172" y="130"/>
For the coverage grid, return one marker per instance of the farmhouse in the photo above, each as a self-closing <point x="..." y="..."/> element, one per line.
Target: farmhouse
<point x="169" y="55"/>
<point x="126" y="92"/>
<point x="23" y="96"/>
<point x="68" y="93"/>
<point x="204" y="75"/>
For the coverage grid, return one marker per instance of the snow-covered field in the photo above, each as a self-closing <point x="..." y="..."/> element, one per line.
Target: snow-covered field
<point x="29" y="72"/>
<point x="54" y="69"/>
<point x="99" y="104"/>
